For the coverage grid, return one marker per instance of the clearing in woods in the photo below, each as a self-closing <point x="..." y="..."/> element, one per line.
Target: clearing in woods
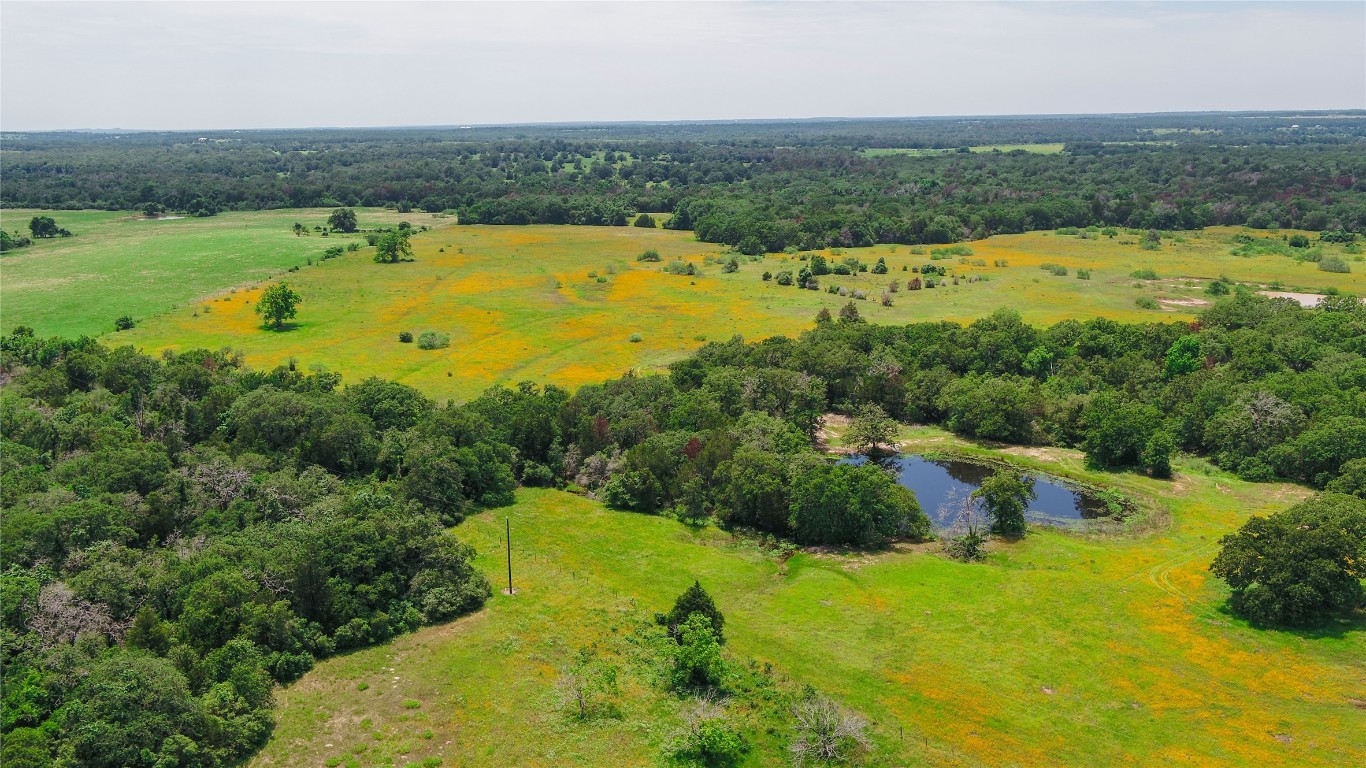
<point x="571" y="305"/>
<point x="1062" y="650"/>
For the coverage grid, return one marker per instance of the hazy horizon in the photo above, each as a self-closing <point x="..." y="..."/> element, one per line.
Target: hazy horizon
<point x="278" y="66"/>
<point x="691" y="121"/>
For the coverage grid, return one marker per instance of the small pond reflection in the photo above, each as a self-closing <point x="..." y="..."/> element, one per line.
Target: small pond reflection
<point x="942" y="485"/>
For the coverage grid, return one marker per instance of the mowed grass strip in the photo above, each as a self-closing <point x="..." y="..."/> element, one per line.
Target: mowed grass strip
<point x="122" y="263"/>
<point x="1063" y="649"/>
<point x="563" y="304"/>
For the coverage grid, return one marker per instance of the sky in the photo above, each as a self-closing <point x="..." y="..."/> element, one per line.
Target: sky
<point x="214" y="65"/>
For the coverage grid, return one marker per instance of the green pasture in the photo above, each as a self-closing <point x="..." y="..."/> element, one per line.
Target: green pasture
<point x="1066" y="649"/>
<point x="566" y="305"/>
<point x="563" y="304"/>
<point x="119" y="262"/>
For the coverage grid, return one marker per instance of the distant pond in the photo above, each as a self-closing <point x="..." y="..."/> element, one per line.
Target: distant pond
<point x="942" y="484"/>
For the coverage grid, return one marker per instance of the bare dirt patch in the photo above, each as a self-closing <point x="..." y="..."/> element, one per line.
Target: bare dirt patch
<point x="1173" y="303"/>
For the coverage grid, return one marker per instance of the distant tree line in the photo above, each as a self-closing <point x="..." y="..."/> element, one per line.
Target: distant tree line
<point x="807" y="185"/>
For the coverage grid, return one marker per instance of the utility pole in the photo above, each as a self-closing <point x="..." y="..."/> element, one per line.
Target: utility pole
<point x="508" y="521"/>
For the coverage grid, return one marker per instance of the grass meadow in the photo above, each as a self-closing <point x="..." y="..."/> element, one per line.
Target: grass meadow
<point x="1065" y="649"/>
<point x="121" y="263"/>
<point x="571" y="305"/>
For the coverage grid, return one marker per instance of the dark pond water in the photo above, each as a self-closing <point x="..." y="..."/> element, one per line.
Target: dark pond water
<point x="942" y="485"/>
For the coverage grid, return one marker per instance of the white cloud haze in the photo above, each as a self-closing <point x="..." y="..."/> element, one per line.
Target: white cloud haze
<point x="282" y="65"/>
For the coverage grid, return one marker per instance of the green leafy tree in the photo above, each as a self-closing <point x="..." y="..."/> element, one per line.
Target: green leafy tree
<point x="752" y="490"/>
<point x="697" y="661"/>
<point x="1183" y="357"/>
<point x="870" y="429"/>
<point x="1117" y="430"/>
<point x="636" y="490"/>
<point x="43" y="227"/>
<point x="993" y="407"/>
<point x="393" y="247"/>
<point x="692" y="507"/>
<point x="751" y="246"/>
<point x="694" y="600"/>
<point x="133" y="712"/>
<point x="342" y="220"/>
<point x="645" y="220"/>
<point x="149" y="632"/>
<point x="849" y="313"/>
<point x="277" y="304"/>
<point x="10" y="242"/>
<point x="1005" y="496"/>
<point x="1351" y="480"/>
<point x="1157" y="454"/>
<point x="1299" y="567"/>
<point x="853" y="505"/>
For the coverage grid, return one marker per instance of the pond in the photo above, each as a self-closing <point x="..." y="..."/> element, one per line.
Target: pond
<point x="942" y="485"/>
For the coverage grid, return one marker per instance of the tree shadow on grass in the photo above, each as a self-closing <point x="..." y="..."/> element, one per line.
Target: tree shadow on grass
<point x="284" y="327"/>
<point x="1334" y="628"/>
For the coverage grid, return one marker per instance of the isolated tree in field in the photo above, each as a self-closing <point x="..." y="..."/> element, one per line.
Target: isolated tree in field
<point x="1006" y="495"/>
<point x="697" y="658"/>
<point x="43" y="226"/>
<point x="823" y="316"/>
<point x="648" y="255"/>
<point x="298" y="229"/>
<point x="870" y="429"/>
<point x="849" y="313"/>
<point x="827" y="733"/>
<point x="392" y="248"/>
<point x="278" y="303"/>
<point x="646" y="221"/>
<point x="694" y="600"/>
<point x="1299" y="567"/>
<point x="342" y="220"/>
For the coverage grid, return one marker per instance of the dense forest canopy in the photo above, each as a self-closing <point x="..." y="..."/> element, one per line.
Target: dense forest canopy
<point x="800" y="184"/>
